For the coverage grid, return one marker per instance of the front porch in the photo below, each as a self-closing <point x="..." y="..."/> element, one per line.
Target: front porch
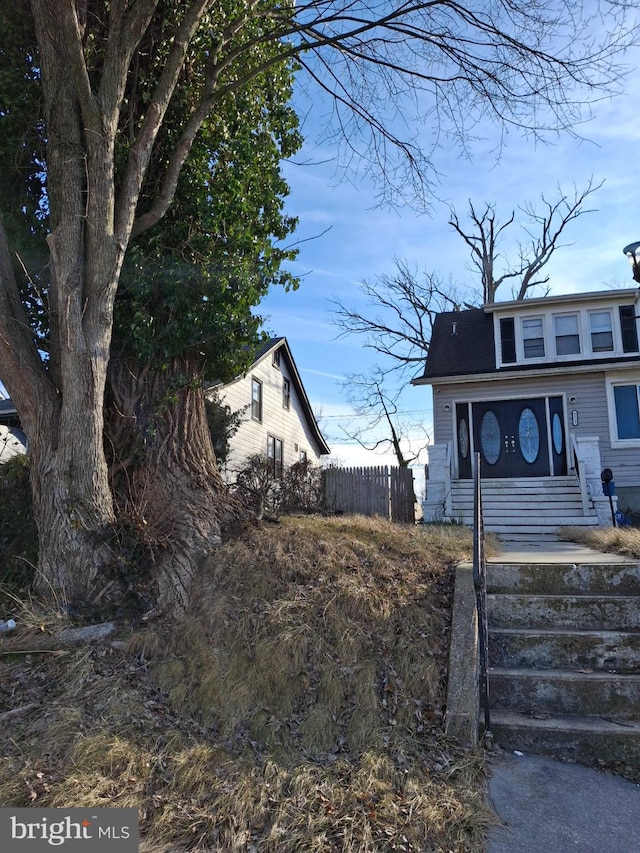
<point x="522" y="507"/>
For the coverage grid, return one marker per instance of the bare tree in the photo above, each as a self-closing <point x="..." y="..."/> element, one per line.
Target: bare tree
<point x="529" y="65"/>
<point x="543" y="239"/>
<point x="397" y="320"/>
<point x="380" y="408"/>
<point x="401" y="308"/>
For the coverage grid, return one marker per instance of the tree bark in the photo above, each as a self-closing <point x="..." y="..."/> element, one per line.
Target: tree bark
<point x="169" y="486"/>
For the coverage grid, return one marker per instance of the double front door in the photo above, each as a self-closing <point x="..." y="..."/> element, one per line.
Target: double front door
<point x="515" y="438"/>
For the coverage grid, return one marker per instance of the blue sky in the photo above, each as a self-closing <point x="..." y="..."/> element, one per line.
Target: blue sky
<point x="363" y="239"/>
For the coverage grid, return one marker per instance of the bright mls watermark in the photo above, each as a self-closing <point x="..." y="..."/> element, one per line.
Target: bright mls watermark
<point x="70" y="830"/>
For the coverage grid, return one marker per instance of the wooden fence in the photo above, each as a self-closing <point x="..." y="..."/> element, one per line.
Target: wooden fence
<point x="379" y="490"/>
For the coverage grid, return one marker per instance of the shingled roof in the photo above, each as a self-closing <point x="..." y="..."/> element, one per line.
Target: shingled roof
<point x="462" y="343"/>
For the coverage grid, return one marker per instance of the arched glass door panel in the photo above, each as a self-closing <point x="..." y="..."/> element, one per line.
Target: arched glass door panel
<point x="490" y="437"/>
<point x="529" y="435"/>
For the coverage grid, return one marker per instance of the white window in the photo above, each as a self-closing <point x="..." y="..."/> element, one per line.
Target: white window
<point x="275" y="455"/>
<point x="533" y="338"/>
<point x="627" y="411"/>
<point x="601" y="331"/>
<point x="286" y="393"/>
<point x="256" y="400"/>
<point x="567" y="332"/>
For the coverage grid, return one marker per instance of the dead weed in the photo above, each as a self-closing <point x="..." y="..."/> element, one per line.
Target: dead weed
<point x="297" y="707"/>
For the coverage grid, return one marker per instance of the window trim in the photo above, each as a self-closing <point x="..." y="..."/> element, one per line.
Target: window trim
<point x="609" y="312"/>
<point x="257" y="384"/>
<point x="611" y="383"/>
<point x="586" y="353"/>
<point x="561" y="316"/>
<point x="286" y="393"/>
<point x="538" y="318"/>
<point x="276" y="465"/>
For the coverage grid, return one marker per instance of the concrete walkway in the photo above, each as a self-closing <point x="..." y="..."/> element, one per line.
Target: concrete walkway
<point x="547" y="806"/>
<point x="550" y="807"/>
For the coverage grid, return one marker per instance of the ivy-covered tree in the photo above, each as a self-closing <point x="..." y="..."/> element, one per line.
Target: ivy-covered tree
<point x="184" y="311"/>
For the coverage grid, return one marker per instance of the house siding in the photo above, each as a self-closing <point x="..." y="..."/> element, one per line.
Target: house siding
<point x="590" y="391"/>
<point x="288" y="425"/>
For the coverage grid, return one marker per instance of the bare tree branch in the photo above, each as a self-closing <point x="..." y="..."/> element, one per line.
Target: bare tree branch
<point x="550" y="227"/>
<point x="544" y="232"/>
<point x="379" y="406"/>
<point x="403" y="313"/>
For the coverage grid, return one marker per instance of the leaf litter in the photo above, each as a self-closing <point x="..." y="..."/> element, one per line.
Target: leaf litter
<point x="297" y="706"/>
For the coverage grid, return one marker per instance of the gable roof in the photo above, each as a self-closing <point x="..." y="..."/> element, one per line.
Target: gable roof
<point x="266" y="350"/>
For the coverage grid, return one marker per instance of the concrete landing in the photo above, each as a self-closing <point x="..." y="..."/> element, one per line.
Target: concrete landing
<point x="547" y="806"/>
<point x="552" y="551"/>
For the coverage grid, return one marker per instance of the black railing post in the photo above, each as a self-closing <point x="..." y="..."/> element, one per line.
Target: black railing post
<point x="480" y="584"/>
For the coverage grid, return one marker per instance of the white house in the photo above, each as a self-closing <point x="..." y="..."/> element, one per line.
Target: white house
<point x="277" y="419"/>
<point x="13" y="441"/>
<point x="547" y="391"/>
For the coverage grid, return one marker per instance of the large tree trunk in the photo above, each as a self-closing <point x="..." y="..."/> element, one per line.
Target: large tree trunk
<point x="169" y="486"/>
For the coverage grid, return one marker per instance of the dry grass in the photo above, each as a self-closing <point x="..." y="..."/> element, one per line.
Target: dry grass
<point x="616" y="540"/>
<point x="298" y="707"/>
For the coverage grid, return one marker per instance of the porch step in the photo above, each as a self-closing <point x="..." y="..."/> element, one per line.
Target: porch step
<point x="524" y="507"/>
<point x="564" y="658"/>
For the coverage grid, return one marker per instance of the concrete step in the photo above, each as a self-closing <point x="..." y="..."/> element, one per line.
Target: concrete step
<point x="570" y="578"/>
<point x="583" y="612"/>
<point x="564" y="652"/>
<point x="606" y="651"/>
<point x="566" y="692"/>
<point x="540" y="536"/>
<point x="531" y="523"/>
<point x="525" y="533"/>
<point x="582" y="739"/>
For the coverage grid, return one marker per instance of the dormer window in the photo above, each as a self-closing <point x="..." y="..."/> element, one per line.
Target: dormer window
<point x="567" y="333"/>
<point x="628" y="328"/>
<point x="508" y="340"/>
<point x="533" y="338"/>
<point x="601" y="331"/>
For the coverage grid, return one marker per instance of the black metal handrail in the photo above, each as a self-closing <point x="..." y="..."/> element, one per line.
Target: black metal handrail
<point x="480" y="584"/>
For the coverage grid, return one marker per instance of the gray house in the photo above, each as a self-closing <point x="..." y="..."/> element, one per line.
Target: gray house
<point x="547" y="392"/>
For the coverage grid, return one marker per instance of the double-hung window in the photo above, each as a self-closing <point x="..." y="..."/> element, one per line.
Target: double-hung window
<point x="567" y="332"/>
<point x="275" y="455"/>
<point x="286" y="393"/>
<point x="626" y="400"/>
<point x="601" y="331"/>
<point x="533" y="338"/>
<point x="256" y="400"/>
